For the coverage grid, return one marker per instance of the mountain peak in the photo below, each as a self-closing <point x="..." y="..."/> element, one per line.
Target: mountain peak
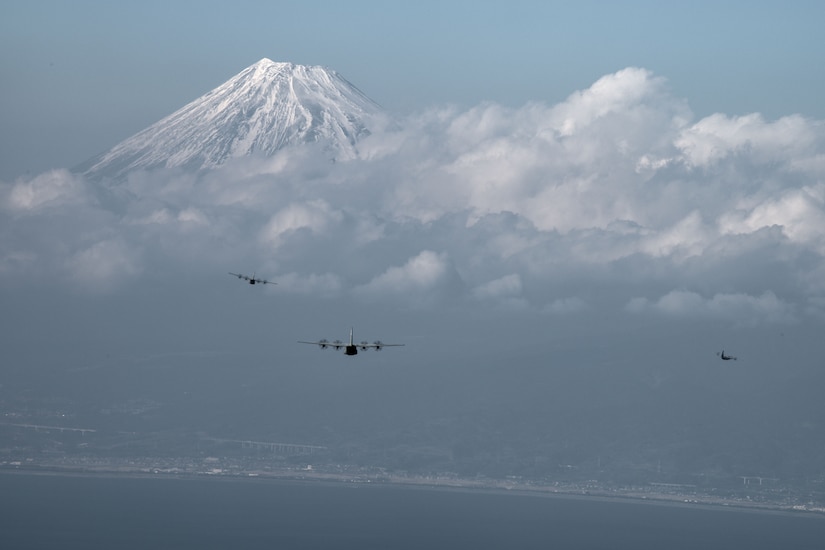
<point x="264" y="108"/>
<point x="267" y="64"/>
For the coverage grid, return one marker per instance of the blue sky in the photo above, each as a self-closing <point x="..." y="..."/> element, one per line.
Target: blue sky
<point x="80" y="76"/>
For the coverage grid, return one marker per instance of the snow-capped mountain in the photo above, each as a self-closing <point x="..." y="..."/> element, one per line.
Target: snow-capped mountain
<point x="264" y="108"/>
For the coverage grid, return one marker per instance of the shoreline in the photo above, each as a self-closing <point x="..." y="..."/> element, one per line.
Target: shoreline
<point x="422" y="483"/>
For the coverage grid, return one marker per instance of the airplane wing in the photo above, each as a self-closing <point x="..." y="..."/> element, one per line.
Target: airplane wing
<point x="377" y="345"/>
<point x="238" y="275"/>
<point x="337" y="344"/>
<point x="323" y="344"/>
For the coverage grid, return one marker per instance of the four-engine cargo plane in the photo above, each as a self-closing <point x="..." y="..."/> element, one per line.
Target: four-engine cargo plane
<point x="350" y="348"/>
<point x="252" y="280"/>
<point x="725" y="357"/>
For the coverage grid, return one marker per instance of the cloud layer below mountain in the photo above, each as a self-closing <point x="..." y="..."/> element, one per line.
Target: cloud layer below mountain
<point x="615" y="199"/>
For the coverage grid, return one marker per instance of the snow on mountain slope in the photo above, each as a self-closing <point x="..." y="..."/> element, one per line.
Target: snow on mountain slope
<point x="264" y="108"/>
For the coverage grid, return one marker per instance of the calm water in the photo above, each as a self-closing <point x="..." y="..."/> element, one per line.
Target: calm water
<point x="45" y="511"/>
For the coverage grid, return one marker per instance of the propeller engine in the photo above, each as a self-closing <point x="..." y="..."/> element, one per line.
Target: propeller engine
<point x="378" y="345"/>
<point x="337" y="344"/>
<point x="322" y="344"/>
<point x="364" y="345"/>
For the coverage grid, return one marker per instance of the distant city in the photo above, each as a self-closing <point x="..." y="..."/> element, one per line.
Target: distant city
<point x="38" y="441"/>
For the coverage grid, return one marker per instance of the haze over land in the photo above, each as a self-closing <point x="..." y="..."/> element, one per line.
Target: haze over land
<point x="562" y="276"/>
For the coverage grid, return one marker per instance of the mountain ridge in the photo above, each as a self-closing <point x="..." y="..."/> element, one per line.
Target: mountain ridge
<point x="264" y="108"/>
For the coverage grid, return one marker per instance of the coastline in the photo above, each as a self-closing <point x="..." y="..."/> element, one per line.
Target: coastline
<point x="430" y="483"/>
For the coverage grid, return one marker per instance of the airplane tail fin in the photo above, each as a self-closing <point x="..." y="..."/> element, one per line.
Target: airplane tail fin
<point x="350" y="336"/>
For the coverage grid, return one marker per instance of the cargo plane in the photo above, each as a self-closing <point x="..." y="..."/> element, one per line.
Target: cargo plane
<point x="350" y="348"/>
<point x="252" y="280"/>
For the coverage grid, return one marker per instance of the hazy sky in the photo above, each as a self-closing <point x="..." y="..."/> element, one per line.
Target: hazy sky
<point x="80" y="76"/>
<point x="586" y="182"/>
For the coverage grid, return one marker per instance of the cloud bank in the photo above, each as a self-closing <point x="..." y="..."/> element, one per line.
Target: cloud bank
<point x="615" y="198"/>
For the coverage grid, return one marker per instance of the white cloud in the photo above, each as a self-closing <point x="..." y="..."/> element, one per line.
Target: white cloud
<point x="741" y="308"/>
<point x="508" y="286"/>
<point x="160" y="216"/>
<point x="192" y="216"/>
<point x="422" y="271"/>
<point x="800" y="213"/>
<point x="615" y="187"/>
<point x="315" y="216"/>
<point x="503" y="292"/>
<point x="566" y="306"/>
<point x="687" y="237"/>
<point x="420" y="280"/>
<point x="619" y="93"/>
<point x="54" y="188"/>
<point x="718" y="136"/>
<point x="325" y="285"/>
<point x="564" y="167"/>
<point x="103" y="265"/>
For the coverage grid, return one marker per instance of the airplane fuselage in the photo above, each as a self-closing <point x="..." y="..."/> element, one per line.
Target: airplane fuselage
<point x="351" y="350"/>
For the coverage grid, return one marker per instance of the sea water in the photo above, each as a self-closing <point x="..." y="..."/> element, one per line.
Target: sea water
<point x="74" y="512"/>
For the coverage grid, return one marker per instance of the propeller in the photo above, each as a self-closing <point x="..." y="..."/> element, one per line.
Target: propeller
<point x="378" y="345"/>
<point x="323" y="344"/>
<point x="364" y="344"/>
